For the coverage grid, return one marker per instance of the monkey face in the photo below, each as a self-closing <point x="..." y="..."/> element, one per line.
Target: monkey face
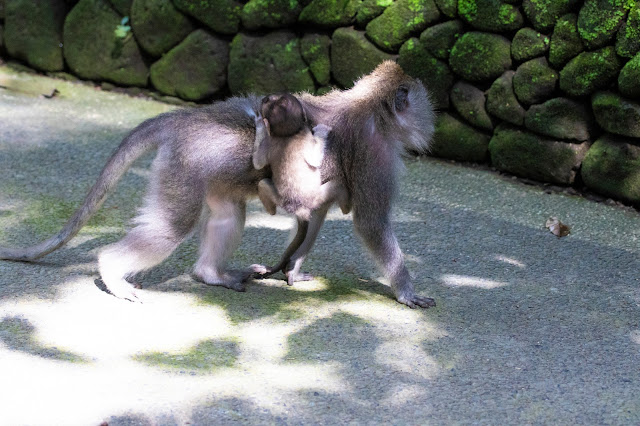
<point x="284" y="113"/>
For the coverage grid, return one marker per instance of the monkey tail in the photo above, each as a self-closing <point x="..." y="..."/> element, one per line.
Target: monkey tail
<point x="132" y="147"/>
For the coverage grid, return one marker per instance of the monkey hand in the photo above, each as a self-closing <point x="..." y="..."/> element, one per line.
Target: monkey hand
<point x="321" y="131"/>
<point x="413" y="300"/>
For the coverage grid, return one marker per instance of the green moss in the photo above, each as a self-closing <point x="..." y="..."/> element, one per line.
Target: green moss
<point x="353" y="56"/>
<point x="268" y="63"/>
<point x="480" y="56"/>
<point x="599" y="20"/>
<point x="158" y="26"/>
<point x="559" y="118"/>
<point x="616" y="114"/>
<point x="448" y="8"/>
<point x="565" y="41"/>
<point x="502" y="102"/>
<point x="534" y="81"/>
<point x="193" y="70"/>
<point x="440" y="38"/>
<point x="529" y="155"/>
<point x="612" y="168"/>
<point x="543" y="14"/>
<point x="122" y="6"/>
<point x="33" y="32"/>
<point x="330" y="13"/>
<point x="399" y="21"/>
<point x="589" y="71"/>
<point x="18" y="334"/>
<point x="528" y="44"/>
<point x="270" y="13"/>
<point x="207" y="356"/>
<point x="92" y="50"/>
<point x="629" y="78"/>
<point x="490" y="15"/>
<point x="458" y="141"/>
<point x="628" y="39"/>
<point x="416" y="60"/>
<point x="222" y="16"/>
<point x="315" y="52"/>
<point x="470" y="102"/>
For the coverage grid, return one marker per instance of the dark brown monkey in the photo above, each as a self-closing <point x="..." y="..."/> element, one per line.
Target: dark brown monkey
<point x="204" y="163"/>
<point x="285" y="141"/>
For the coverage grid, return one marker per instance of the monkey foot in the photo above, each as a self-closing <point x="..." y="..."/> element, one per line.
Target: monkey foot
<point x="413" y="301"/>
<point x="231" y="279"/>
<point x="121" y="290"/>
<point x="293" y="277"/>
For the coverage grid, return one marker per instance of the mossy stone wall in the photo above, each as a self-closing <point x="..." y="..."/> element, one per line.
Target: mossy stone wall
<point x="545" y="89"/>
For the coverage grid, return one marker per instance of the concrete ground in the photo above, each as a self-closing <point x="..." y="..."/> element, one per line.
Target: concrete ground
<point x="529" y="328"/>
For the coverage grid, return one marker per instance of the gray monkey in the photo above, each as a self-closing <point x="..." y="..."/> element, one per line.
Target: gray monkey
<point x="285" y="142"/>
<point x="203" y="167"/>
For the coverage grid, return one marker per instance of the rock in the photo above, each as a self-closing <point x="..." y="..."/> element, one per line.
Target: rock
<point x="2" y="9"/>
<point x="612" y="168"/>
<point x="566" y="43"/>
<point x="353" y="56"/>
<point x="589" y="71"/>
<point x="598" y="21"/>
<point x="449" y="8"/>
<point x="94" y="51"/>
<point x="268" y="63"/>
<point x="543" y="14"/>
<point x="193" y="70"/>
<point x="330" y="13"/>
<point x="222" y="16"/>
<point x="526" y="154"/>
<point x="534" y="81"/>
<point x="502" y="102"/>
<point x="629" y="78"/>
<point x="270" y="13"/>
<point x="480" y="56"/>
<point x="628" y="38"/>
<point x="315" y="52"/>
<point x="440" y="38"/>
<point x="370" y="9"/>
<point x="528" y="44"/>
<point x="469" y="101"/>
<point x="456" y="140"/>
<point x="158" y="25"/>
<point x="560" y="118"/>
<point x="33" y="32"/>
<point x="490" y="15"/>
<point x="416" y="60"/>
<point x="616" y="114"/>
<point x="399" y="21"/>
<point x="121" y="6"/>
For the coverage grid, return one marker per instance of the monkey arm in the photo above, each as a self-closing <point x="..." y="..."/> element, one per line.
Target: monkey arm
<point x="260" y="156"/>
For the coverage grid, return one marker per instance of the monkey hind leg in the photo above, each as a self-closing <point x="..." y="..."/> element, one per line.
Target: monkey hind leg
<point x="268" y="195"/>
<point x="151" y="241"/>
<point x="221" y="235"/>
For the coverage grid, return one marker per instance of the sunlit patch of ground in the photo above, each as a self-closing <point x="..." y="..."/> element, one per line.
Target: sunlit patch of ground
<point x="87" y="355"/>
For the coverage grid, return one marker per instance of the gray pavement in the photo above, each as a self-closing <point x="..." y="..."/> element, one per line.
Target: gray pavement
<point x="529" y="328"/>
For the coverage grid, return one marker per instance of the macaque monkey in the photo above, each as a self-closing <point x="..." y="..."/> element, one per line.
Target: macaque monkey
<point x="285" y="142"/>
<point x="203" y="173"/>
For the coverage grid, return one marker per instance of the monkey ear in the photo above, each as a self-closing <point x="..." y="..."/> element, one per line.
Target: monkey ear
<point x="401" y="101"/>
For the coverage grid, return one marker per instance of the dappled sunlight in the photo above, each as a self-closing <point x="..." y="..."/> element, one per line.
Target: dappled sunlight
<point x="452" y="280"/>
<point x="509" y="261"/>
<point x="172" y="354"/>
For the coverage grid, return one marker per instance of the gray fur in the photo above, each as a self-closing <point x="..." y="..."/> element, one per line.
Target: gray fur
<point x="204" y="163"/>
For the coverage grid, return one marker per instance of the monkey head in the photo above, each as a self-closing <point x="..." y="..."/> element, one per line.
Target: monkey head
<point x="284" y="114"/>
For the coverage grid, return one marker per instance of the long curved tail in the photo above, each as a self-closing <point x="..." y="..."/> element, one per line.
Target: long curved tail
<point x="139" y="141"/>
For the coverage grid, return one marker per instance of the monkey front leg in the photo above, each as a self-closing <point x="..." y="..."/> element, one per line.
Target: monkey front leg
<point x="380" y="239"/>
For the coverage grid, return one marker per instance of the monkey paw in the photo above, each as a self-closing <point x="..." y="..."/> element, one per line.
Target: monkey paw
<point x="413" y="301"/>
<point x="295" y="276"/>
<point x="231" y="279"/>
<point x="122" y="290"/>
